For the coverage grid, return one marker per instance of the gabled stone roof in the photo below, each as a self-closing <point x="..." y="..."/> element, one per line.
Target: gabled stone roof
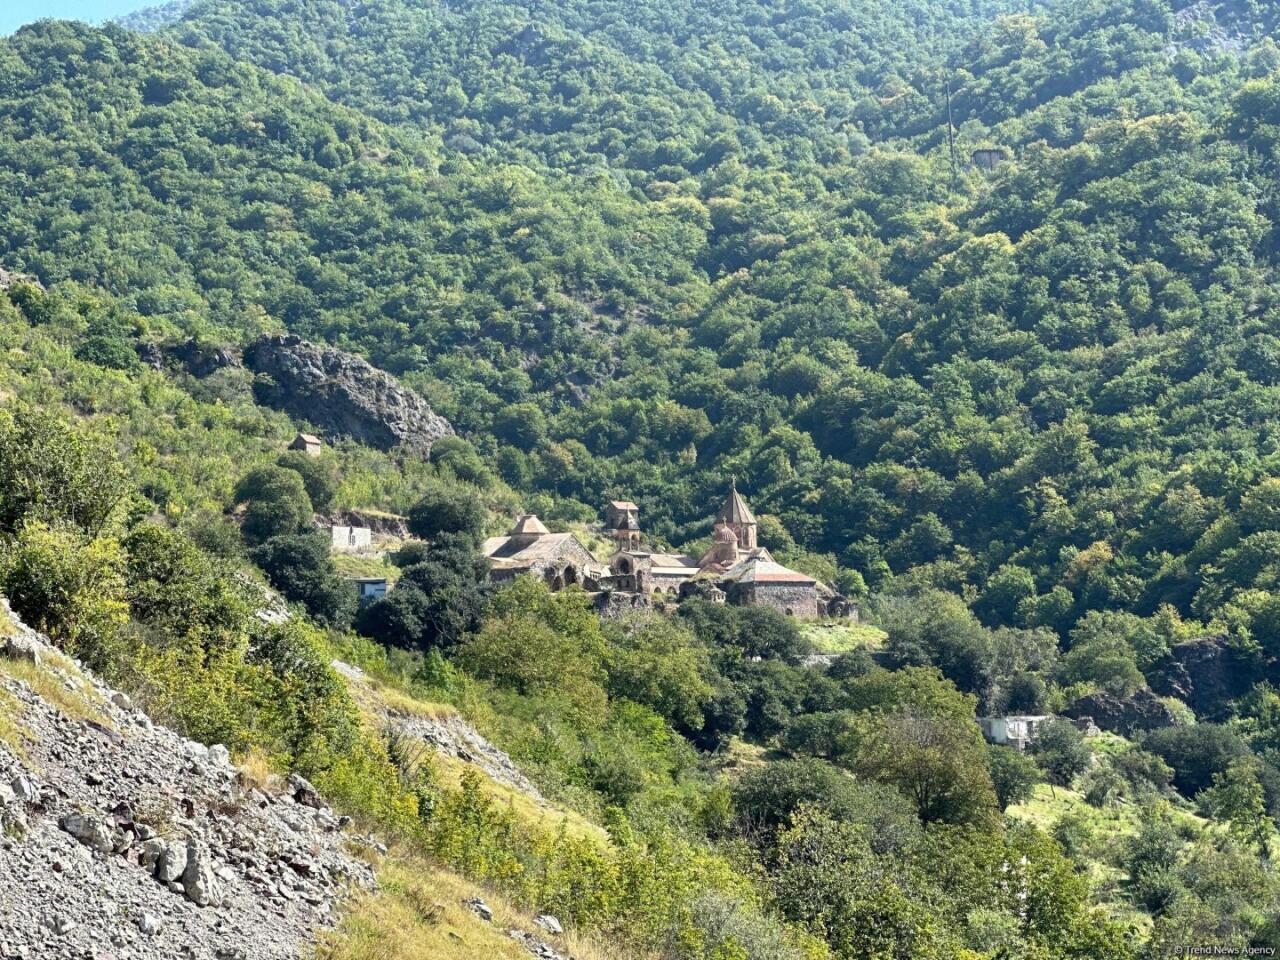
<point x="761" y="568"/>
<point x="521" y="552"/>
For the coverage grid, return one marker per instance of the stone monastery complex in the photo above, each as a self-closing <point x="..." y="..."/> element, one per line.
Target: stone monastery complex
<point x="736" y="569"/>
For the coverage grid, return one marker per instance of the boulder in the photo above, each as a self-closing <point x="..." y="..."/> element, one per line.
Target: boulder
<point x="150" y="853"/>
<point x="199" y="881"/>
<point x="219" y="755"/>
<point x="149" y="924"/>
<point x="303" y="792"/>
<point x="202" y="359"/>
<point x="479" y="908"/>
<point x="1127" y="715"/>
<point x="549" y="923"/>
<point x="19" y="647"/>
<point x="172" y="862"/>
<point x="91" y="831"/>
<point x="342" y="394"/>
<point x="23" y="789"/>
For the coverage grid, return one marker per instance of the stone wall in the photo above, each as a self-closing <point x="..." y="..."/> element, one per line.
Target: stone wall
<point x="799" y="600"/>
<point x="344" y="538"/>
<point x="617" y="603"/>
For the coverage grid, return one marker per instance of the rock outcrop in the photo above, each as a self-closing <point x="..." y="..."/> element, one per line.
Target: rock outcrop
<point x="342" y="394"/>
<point x="8" y="280"/>
<point x="1206" y="673"/>
<point x="1123" y="715"/>
<point x="122" y="840"/>
<point x="203" y="359"/>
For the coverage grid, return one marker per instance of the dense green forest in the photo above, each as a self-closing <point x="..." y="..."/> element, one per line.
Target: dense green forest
<point x="977" y="301"/>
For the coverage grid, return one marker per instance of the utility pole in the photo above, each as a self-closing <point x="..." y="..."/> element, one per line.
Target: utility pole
<point x="951" y="133"/>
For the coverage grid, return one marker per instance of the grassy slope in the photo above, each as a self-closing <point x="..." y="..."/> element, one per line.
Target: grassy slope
<point x="841" y="637"/>
<point x="417" y="914"/>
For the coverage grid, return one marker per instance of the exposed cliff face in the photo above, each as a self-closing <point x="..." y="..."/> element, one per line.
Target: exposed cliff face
<point x="1127" y="716"/>
<point x="342" y="394"/>
<point x="1207" y="674"/>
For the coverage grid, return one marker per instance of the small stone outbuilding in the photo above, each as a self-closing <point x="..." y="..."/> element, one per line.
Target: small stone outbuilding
<point x="1018" y="731"/>
<point x="369" y="589"/>
<point x="344" y="539"/>
<point x="308" y="443"/>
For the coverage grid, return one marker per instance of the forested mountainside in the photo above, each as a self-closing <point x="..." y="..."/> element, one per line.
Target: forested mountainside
<point x="583" y="86"/>
<point x="976" y="302"/>
<point x="888" y="355"/>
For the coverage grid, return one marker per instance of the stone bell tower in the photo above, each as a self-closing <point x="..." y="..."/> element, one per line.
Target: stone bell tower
<point x="622" y="521"/>
<point x="737" y="516"/>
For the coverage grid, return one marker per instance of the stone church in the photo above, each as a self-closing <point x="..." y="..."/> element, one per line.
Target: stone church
<point x="530" y="549"/>
<point x="735" y="568"/>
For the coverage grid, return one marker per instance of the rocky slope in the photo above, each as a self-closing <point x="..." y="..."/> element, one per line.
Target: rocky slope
<point x="447" y="734"/>
<point x="342" y="394"/>
<point x="123" y="840"/>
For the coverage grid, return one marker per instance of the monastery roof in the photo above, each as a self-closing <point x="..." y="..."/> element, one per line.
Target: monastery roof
<point x="735" y="509"/>
<point x="672" y="560"/>
<point x="528" y="525"/>
<point x="309" y="438"/>
<point x="513" y="553"/>
<point x="675" y="567"/>
<point x="623" y="505"/>
<point x="755" y="568"/>
<point x="658" y="559"/>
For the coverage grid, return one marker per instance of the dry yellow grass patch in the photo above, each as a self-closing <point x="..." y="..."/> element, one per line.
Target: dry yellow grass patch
<point x="377" y="702"/>
<point x="397" y="701"/>
<point x="544" y="816"/>
<point x="12" y="732"/>
<point x="255" y="768"/>
<point x="417" y="914"/>
<point x="79" y="703"/>
<point x="375" y="698"/>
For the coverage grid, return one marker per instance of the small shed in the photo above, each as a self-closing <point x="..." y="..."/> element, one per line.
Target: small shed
<point x="308" y="443"/>
<point x="369" y="589"/>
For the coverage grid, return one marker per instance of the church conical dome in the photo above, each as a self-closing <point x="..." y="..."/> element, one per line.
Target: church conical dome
<point x="735" y="509"/>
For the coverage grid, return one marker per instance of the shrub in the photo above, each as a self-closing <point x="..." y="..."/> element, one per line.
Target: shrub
<point x="276" y="504"/>
<point x="656" y="663"/>
<point x="318" y="477"/>
<point x="447" y="510"/>
<point x="70" y="587"/>
<point x="768" y="798"/>
<point x="1061" y="751"/>
<point x="1014" y="774"/>
<point x="1195" y="753"/>
<point x="300" y="567"/>
<point x="56" y="473"/>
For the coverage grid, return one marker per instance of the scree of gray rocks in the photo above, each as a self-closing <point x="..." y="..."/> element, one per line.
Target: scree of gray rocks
<point x="120" y="840"/>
